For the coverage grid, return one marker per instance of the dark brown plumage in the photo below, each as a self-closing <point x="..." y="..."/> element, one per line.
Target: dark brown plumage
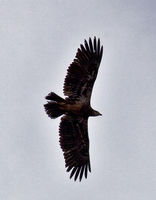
<point x="78" y="85"/>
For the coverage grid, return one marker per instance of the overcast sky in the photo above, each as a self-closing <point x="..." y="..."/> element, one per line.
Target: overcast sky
<point x="38" y="41"/>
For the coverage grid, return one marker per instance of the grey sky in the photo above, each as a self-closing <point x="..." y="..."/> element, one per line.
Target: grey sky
<point x="38" y="41"/>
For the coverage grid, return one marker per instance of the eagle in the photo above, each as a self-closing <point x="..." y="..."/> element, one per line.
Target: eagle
<point x="76" y="108"/>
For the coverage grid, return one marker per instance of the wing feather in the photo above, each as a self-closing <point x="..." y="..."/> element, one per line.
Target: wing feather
<point x="91" y="46"/>
<point x="77" y="173"/>
<point x="82" y="73"/>
<point x="74" y="142"/>
<point x="86" y="171"/>
<point x="81" y="173"/>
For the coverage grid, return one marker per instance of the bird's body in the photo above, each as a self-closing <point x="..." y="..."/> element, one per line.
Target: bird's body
<point x="76" y="108"/>
<point x="79" y="109"/>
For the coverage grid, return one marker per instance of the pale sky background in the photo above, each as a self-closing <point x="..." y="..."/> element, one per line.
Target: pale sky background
<point x="38" y="41"/>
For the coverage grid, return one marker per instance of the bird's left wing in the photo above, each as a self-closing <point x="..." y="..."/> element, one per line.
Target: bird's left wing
<point x="74" y="142"/>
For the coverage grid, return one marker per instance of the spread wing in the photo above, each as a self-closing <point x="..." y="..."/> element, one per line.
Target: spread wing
<point x="74" y="142"/>
<point x="82" y="73"/>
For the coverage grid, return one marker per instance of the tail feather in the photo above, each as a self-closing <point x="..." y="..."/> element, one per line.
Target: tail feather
<point x="52" y="109"/>
<point x="54" y="97"/>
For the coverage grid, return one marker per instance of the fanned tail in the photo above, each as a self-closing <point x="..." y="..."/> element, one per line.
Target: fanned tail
<point x="52" y="108"/>
<point x="54" y="97"/>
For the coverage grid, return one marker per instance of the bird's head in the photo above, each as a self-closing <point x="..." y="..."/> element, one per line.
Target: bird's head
<point x="95" y="113"/>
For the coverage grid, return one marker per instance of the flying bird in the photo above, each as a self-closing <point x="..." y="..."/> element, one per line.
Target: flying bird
<point x="76" y="108"/>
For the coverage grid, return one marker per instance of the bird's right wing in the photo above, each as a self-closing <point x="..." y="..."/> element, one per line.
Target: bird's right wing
<point x="82" y="73"/>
